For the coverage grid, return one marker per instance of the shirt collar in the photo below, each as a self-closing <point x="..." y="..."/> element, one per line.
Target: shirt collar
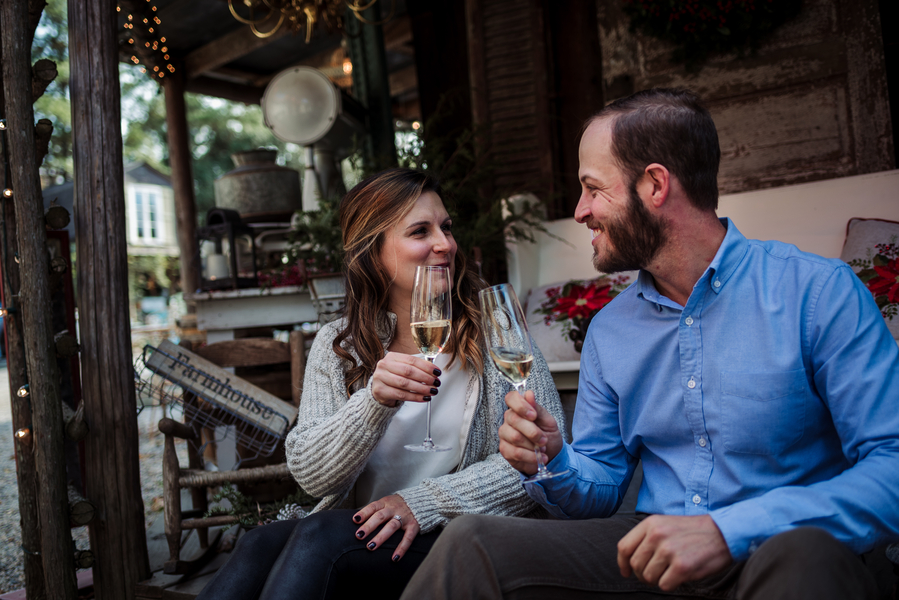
<point x="731" y="252"/>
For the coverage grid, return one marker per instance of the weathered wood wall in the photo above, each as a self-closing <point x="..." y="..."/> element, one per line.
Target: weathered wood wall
<point x="811" y="104"/>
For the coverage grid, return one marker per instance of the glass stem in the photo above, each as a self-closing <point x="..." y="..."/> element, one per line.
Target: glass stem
<point x="541" y="468"/>
<point x="428" y="441"/>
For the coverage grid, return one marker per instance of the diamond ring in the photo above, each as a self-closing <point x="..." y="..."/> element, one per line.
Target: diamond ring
<point x="399" y="518"/>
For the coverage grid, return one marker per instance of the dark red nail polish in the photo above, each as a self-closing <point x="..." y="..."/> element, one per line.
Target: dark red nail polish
<point x="396" y="557"/>
<point x="433" y="391"/>
<point x="426" y="398"/>
<point x="357" y="518"/>
<point x="360" y="534"/>
<point x="438" y="372"/>
<point x="371" y="546"/>
<point x="436" y="383"/>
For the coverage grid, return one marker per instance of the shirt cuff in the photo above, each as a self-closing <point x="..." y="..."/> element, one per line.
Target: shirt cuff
<point x="538" y="491"/>
<point x="745" y="526"/>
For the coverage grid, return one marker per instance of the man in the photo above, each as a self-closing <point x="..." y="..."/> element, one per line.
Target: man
<point x="758" y="384"/>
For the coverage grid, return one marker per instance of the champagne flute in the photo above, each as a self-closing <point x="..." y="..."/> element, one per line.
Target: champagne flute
<point x="432" y="315"/>
<point x="509" y="346"/>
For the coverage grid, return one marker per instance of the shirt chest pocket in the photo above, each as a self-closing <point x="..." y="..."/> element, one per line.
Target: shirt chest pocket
<point x="763" y="413"/>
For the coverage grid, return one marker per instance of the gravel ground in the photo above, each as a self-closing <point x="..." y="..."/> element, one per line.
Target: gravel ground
<point x="11" y="571"/>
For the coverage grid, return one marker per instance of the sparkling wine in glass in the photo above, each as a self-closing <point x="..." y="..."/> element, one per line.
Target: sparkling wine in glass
<point x="432" y="317"/>
<point x="509" y="346"/>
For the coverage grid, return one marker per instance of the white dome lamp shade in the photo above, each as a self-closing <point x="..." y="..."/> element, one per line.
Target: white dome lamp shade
<point x="302" y="106"/>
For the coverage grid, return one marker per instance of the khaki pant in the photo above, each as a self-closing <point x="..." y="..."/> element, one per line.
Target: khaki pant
<point x="503" y="557"/>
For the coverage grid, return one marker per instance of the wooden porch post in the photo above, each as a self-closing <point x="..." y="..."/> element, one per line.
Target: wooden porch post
<point x="118" y="536"/>
<point x="45" y="439"/>
<point x="182" y="180"/>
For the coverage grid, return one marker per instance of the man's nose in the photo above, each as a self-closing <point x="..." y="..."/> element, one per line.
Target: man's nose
<point x="582" y="212"/>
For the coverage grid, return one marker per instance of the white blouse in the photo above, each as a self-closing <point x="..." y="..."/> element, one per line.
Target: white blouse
<point x="391" y="467"/>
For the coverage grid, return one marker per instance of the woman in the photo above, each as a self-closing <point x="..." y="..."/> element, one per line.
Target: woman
<point x="363" y="399"/>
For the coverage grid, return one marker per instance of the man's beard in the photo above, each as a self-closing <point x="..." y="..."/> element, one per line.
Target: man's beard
<point x="634" y="239"/>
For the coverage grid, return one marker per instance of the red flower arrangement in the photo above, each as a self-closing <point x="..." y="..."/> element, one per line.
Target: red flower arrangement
<point x="576" y="303"/>
<point x="285" y="276"/>
<point x="880" y="275"/>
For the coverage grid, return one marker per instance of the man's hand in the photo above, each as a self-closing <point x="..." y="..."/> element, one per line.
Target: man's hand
<point x="669" y="550"/>
<point x="527" y="425"/>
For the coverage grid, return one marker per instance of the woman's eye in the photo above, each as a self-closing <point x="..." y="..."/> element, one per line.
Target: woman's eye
<point x="447" y="227"/>
<point x="419" y="231"/>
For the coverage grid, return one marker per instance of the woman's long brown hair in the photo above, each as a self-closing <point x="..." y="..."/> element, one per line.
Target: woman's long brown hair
<point x="368" y="212"/>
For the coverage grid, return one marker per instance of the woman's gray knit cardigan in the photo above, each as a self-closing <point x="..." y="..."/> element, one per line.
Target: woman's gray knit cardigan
<point x="335" y="435"/>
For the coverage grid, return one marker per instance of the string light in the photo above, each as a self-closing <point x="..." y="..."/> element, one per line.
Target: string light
<point x="23" y="391"/>
<point x="7" y="193"/>
<point x="22" y="433"/>
<point x="2" y="124"/>
<point x="5" y="312"/>
<point x="152" y="21"/>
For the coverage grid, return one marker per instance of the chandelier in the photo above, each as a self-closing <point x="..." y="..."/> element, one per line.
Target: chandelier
<point x="265" y="17"/>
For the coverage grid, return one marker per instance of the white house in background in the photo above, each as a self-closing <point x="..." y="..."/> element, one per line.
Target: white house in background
<point x="149" y="210"/>
<point x="150" y="231"/>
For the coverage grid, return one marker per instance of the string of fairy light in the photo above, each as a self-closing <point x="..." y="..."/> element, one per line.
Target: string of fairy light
<point x="23" y="391"/>
<point x="146" y="42"/>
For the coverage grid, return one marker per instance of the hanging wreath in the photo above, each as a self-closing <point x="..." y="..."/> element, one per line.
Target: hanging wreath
<point x="699" y="28"/>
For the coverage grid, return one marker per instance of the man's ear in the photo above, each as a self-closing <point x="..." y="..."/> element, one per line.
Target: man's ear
<point x="655" y="184"/>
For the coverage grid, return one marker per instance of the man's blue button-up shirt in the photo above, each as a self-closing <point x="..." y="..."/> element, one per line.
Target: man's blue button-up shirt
<point x="769" y="401"/>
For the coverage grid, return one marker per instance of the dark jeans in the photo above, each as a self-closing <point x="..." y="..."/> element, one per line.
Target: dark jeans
<point x="312" y="558"/>
<point x="503" y="557"/>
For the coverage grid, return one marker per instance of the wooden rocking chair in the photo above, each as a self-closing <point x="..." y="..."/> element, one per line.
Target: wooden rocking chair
<point x="256" y="360"/>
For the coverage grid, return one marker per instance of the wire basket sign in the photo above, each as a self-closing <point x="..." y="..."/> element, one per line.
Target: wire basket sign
<point x="212" y="397"/>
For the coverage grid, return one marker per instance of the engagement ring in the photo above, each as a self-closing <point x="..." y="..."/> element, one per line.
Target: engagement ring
<point x="399" y="518"/>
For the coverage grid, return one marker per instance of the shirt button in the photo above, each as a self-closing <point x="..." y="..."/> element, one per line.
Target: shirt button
<point x="697" y="499"/>
<point x="702" y="442"/>
<point x="717" y="283"/>
<point x="691" y="384"/>
<point x="688" y="321"/>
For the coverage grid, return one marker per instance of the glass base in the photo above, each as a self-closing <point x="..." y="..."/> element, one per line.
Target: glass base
<point x="543" y="475"/>
<point x="426" y="447"/>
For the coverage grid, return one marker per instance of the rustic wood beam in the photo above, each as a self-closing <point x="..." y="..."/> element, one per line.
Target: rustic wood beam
<point x="182" y="180"/>
<point x="76" y="426"/>
<point x="34" y="304"/>
<point x="43" y="131"/>
<point x="42" y="74"/>
<point x="26" y="473"/>
<point x="35" y="10"/>
<point x="223" y="89"/>
<point x="227" y="48"/>
<point x="81" y="510"/>
<point x="112" y="481"/>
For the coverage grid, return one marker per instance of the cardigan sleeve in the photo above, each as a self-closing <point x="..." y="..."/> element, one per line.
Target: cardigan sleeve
<point x="335" y="434"/>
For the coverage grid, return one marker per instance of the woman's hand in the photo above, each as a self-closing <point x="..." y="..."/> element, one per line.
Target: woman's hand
<point x="403" y="377"/>
<point x="381" y="513"/>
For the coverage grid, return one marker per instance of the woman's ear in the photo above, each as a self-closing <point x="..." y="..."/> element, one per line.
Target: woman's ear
<point x="655" y="184"/>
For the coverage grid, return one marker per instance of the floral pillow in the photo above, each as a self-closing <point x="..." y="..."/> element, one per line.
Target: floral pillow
<point x="872" y="250"/>
<point x="559" y="314"/>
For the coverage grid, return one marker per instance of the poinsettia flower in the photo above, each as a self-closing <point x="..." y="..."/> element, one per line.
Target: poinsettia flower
<point x="583" y="301"/>
<point x="887" y="281"/>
